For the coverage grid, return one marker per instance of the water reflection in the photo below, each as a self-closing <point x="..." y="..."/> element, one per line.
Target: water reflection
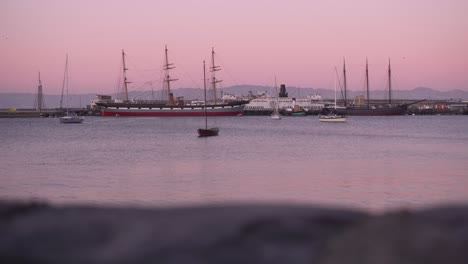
<point x="368" y="163"/>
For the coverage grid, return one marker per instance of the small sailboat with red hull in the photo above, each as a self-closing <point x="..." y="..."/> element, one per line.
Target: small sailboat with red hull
<point x="207" y="132"/>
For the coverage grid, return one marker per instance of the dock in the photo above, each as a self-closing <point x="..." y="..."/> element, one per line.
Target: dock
<point x="55" y="112"/>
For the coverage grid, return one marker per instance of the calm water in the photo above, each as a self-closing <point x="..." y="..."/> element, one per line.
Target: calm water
<point x="374" y="163"/>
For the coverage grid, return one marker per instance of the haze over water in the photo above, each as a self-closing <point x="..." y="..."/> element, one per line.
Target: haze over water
<point x="372" y="163"/>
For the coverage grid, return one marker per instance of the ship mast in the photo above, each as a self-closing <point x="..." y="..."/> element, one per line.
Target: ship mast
<point x="367" y="83"/>
<point x="63" y="84"/>
<point x="389" y="83"/>
<point x="213" y="69"/>
<point x="167" y="79"/>
<point x="204" y="88"/>
<point x="125" y="76"/>
<point x="344" y="81"/>
<point x="40" y="98"/>
<point x="66" y="79"/>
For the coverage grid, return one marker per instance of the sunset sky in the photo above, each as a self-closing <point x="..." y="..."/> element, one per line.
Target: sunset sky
<point x="298" y="41"/>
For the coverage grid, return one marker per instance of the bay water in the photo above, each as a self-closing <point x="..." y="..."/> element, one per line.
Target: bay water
<point x="370" y="163"/>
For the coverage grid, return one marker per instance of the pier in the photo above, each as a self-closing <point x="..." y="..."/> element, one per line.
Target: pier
<point x="54" y="112"/>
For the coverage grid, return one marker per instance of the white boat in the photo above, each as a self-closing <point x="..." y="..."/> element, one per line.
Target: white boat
<point x="69" y="118"/>
<point x="275" y="115"/>
<point x="332" y="118"/>
<point x="331" y="115"/>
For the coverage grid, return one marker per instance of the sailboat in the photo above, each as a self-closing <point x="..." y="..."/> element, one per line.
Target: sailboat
<point x="276" y="114"/>
<point x="69" y="118"/>
<point x="206" y="132"/>
<point x="331" y="115"/>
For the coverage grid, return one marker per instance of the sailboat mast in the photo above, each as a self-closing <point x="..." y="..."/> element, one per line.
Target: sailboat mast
<point x="213" y="69"/>
<point x="125" y="76"/>
<point x="344" y="82"/>
<point x="367" y="83"/>
<point x="63" y="86"/>
<point x="334" y="84"/>
<point x="277" y="96"/>
<point x="167" y="67"/>
<point x="204" y="88"/>
<point x="40" y="100"/>
<point x="66" y="79"/>
<point x="389" y="83"/>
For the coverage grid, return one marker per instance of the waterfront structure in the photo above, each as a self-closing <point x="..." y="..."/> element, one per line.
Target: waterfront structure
<point x="265" y="105"/>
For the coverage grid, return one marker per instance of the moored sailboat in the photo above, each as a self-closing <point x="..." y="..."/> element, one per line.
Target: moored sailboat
<point x="69" y="118"/>
<point x="331" y="115"/>
<point x="170" y="107"/>
<point x="275" y="115"/>
<point x="206" y="132"/>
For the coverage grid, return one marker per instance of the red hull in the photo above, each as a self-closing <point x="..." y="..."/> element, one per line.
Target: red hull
<point x="118" y="113"/>
<point x="208" y="132"/>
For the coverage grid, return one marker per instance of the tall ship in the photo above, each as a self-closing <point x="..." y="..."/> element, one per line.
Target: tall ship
<point x="372" y="110"/>
<point x="171" y="107"/>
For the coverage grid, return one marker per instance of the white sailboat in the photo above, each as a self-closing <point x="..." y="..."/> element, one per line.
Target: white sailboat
<point x="331" y="115"/>
<point x="275" y="115"/>
<point x="69" y="118"/>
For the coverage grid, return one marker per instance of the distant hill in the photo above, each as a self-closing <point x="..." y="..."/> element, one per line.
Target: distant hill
<point x="27" y="100"/>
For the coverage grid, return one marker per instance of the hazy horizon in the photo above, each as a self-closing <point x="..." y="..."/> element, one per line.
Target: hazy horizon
<point x="299" y="42"/>
<point x="268" y="89"/>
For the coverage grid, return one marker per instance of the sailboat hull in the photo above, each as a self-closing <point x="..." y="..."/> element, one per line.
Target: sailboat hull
<point x="377" y="111"/>
<point x="136" y="110"/>
<point x="332" y="119"/>
<point x="71" y="119"/>
<point x="275" y="117"/>
<point x="208" y="132"/>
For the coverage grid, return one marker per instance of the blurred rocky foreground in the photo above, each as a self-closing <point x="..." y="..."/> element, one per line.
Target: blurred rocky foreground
<point x="41" y="233"/>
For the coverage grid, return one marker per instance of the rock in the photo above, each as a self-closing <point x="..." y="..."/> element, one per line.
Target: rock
<point x="37" y="233"/>
<point x="40" y="233"/>
<point x="438" y="235"/>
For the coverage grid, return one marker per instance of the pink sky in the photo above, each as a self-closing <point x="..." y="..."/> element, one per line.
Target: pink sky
<point x="299" y="41"/>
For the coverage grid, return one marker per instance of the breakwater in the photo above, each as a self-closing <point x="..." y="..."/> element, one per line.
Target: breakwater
<point x="55" y="112"/>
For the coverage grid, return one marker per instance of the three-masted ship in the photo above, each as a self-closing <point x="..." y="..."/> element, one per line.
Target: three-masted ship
<point x="170" y="107"/>
<point x="373" y="110"/>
